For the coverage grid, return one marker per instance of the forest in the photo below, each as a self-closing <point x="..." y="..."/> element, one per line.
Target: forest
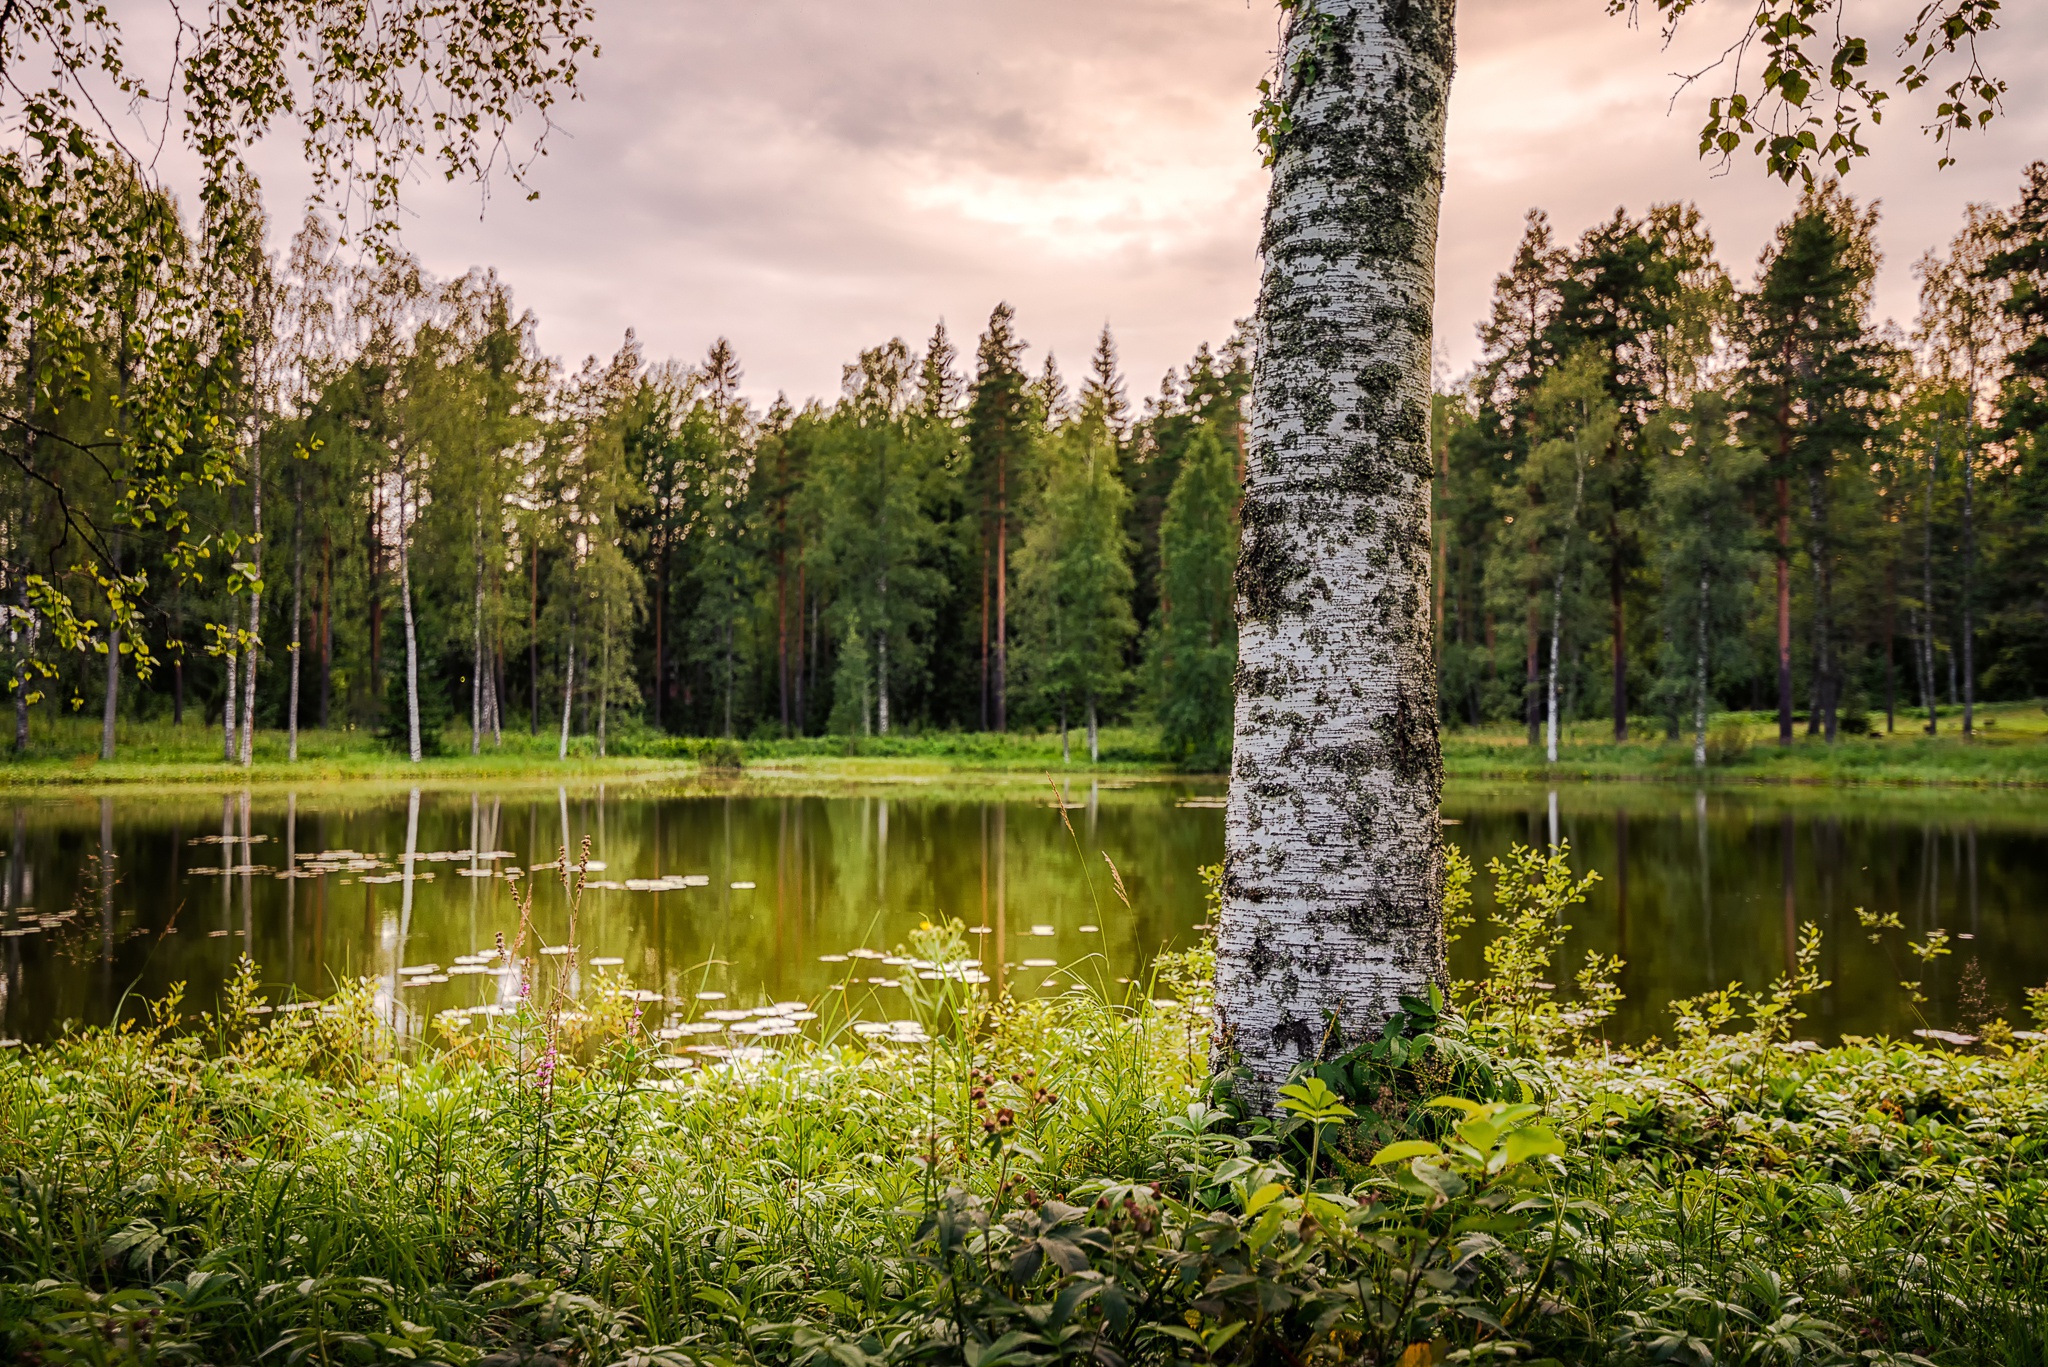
<point x="1661" y="493"/>
<point x="422" y="517"/>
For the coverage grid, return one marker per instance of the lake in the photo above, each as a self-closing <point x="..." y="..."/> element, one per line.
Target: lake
<point x="756" y="892"/>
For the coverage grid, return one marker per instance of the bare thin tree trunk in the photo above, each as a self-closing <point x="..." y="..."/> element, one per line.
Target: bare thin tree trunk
<point x="476" y="639"/>
<point x="1094" y="735"/>
<point x="255" y="607"/>
<point x="227" y="708"/>
<point x="1564" y="555"/>
<point x="412" y="649"/>
<point x="568" y="693"/>
<point x="1969" y="573"/>
<point x="1333" y="873"/>
<point x="1927" y="590"/>
<point x="113" y="697"/>
<point x="1699" y="699"/>
<point x="604" y="678"/>
<point x="298" y="615"/>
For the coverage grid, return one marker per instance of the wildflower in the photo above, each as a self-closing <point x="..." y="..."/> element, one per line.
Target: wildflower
<point x="544" y="1075"/>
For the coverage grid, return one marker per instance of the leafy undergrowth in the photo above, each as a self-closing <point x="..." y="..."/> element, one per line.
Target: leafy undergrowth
<point x="1019" y="1182"/>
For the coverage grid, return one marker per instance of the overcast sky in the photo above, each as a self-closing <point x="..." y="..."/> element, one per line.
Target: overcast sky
<point x="807" y="177"/>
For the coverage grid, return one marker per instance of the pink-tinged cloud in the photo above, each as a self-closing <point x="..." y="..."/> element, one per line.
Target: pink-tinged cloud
<point x="808" y="177"/>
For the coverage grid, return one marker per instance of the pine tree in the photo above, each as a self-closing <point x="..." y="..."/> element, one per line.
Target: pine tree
<point x="1811" y="384"/>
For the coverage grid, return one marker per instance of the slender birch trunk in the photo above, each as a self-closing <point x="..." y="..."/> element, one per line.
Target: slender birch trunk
<point x="568" y="691"/>
<point x="248" y="749"/>
<point x="227" y="707"/>
<point x="1969" y="568"/>
<point x="476" y="638"/>
<point x="604" y="677"/>
<point x="1927" y="589"/>
<point x="1564" y="556"/>
<point x="298" y="614"/>
<point x="1094" y="734"/>
<point x="412" y="649"/>
<point x="113" y="696"/>
<point x="1699" y="696"/>
<point x="1333" y="854"/>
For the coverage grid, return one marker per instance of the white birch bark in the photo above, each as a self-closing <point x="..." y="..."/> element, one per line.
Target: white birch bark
<point x="412" y="650"/>
<point x="1699" y="695"/>
<point x="227" y="709"/>
<point x="1564" y="555"/>
<point x="298" y="615"/>
<point x="1333" y="855"/>
<point x="477" y="721"/>
<point x="568" y="694"/>
<point x="248" y="751"/>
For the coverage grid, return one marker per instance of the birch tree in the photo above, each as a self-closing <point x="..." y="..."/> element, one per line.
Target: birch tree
<point x="1964" y="333"/>
<point x="1333" y="854"/>
<point x="1706" y="552"/>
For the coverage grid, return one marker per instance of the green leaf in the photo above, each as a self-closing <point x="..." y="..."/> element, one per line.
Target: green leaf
<point x="1528" y="1142"/>
<point x="1403" y="1149"/>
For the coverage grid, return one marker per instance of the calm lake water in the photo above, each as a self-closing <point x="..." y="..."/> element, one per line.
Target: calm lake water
<point x="763" y="895"/>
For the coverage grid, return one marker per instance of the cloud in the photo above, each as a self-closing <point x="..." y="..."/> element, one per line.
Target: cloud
<point x="808" y="178"/>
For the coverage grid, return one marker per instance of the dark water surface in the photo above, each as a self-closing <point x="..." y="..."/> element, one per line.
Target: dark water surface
<point x="1696" y="889"/>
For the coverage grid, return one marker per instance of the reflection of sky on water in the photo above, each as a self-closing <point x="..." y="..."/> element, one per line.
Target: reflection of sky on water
<point x="767" y="898"/>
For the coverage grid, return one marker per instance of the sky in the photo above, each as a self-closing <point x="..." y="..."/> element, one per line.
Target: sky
<point x="809" y="177"/>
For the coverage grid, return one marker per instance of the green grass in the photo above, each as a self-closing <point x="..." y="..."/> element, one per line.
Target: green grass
<point x="1019" y="1182"/>
<point x="64" y="751"/>
<point x="2011" y="748"/>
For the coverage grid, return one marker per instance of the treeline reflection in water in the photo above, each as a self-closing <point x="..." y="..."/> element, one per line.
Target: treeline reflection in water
<point x="761" y="895"/>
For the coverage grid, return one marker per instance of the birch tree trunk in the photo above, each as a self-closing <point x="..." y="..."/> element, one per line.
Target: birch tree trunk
<point x="1094" y="735"/>
<point x="477" y="720"/>
<point x="1927" y="591"/>
<point x="412" y="650"/>
<point x="1699" y="695"/>
<point x="1333" y="874"/>
<point x="298" y="614"/>
<point x="568" y="694"/>
<point x="227" y="708"/>
<point x="255" y="606"/>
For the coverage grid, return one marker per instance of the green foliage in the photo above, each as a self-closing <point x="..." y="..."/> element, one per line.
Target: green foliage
<point x="1074" y="579"/>
<point x="1015" y="1181"/>
<point x="1815" y="90"/>
<point x="1193" y="642"/>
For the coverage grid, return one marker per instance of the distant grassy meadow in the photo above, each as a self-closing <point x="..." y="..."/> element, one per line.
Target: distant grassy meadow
<point x="2010" y="748"/>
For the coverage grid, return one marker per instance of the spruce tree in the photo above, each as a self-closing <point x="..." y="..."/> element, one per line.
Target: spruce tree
<point x="1000" y="437"/>
<point x="1193" y="641"/>
<point x="1074" y="581"/>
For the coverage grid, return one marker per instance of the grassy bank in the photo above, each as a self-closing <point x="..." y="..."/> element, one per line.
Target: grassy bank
<point x="2010" y="748"/>
<point x="64" y="752"/>
<point x="1003" y="1183"/>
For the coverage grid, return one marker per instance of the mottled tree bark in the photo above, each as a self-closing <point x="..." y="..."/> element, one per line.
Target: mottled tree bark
<point x="1333" y="853"/>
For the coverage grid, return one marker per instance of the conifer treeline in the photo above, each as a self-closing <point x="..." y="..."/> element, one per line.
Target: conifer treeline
<point x="1662" y="494"/>
<point x="453" y="537"/>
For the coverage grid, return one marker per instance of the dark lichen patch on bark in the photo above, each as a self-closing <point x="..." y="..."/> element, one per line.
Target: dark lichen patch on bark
<point x="1295" y="1035"/>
